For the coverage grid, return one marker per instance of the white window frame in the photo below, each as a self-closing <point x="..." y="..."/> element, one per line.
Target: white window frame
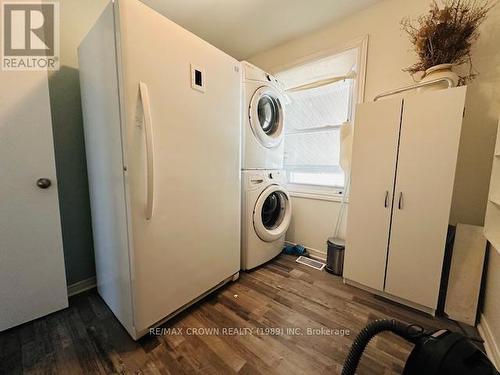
<point x="361" y="44"/>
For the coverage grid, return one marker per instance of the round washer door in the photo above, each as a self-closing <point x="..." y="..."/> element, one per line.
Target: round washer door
<point x="272" y="213"/>
<point x="266" y="116"/>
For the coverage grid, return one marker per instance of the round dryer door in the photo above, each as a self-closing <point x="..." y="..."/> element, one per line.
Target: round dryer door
<point x="272" y="213"/>
<point x="266" y="116"/>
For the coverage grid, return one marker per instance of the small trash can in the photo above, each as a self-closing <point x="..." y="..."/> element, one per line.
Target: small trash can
<point x="335" y="256"/>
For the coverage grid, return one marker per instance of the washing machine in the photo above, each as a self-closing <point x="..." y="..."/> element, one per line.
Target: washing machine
<point x="263" y="132"/>
<point x="266" y="215"/>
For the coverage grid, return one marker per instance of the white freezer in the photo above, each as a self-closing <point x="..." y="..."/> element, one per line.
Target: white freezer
<point x="163" y="157"/>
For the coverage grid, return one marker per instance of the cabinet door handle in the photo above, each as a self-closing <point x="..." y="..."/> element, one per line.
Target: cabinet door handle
<point x="386" y="200"/>
<point x="400" y="201"/>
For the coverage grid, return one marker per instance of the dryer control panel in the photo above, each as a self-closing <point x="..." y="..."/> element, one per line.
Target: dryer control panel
<point x="251" y="72"/>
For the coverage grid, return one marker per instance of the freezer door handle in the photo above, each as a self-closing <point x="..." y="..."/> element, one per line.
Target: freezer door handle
<point x="148" y="130"/>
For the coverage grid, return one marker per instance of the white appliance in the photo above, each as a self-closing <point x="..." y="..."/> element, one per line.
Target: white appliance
<point x="263" y="129"/>
<point x="266" y="216"/>
<point x="403" y="171"/>
<point x="32" y="273"/>
<point x="163" y="163"/>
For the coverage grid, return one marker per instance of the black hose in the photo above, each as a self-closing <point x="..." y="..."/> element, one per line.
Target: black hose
<point x="408" y="332"/>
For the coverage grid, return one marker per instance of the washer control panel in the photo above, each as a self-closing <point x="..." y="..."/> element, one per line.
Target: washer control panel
<point x="258" y="177"/>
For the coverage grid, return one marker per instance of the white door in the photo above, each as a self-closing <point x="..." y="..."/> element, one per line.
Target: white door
<point x="32" y="274"/>
<point x="185" y="220"/>
<point x="430" y="134"/>
<point x="375" y="148"/>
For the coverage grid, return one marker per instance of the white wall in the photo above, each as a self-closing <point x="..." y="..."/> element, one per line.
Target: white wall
<point x="388" y="53"/>
<point x="77" y="17"/>
<point x="313" y="222"/>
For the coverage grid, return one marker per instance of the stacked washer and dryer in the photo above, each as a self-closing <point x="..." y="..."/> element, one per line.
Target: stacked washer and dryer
<point x="266" y="207"/>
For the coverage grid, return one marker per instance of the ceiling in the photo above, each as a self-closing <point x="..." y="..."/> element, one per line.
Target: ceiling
<point x="243" y="28"/>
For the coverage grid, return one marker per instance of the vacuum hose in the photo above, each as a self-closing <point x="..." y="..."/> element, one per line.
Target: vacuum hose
<point x="409" y="332"/>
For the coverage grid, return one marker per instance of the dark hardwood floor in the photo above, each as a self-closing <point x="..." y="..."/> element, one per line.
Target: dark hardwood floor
<point x="87" y="339"/>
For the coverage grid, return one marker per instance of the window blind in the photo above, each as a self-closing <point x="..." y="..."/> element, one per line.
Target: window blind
<point x="312" y="139"/>
<point x="326" y="106"/>
<point x="313" y="116"/>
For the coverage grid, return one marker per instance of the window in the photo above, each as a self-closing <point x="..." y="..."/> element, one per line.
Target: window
<point x="320" y="96"/>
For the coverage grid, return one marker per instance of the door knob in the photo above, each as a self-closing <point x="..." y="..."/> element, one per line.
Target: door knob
<point x="43" y="183"/>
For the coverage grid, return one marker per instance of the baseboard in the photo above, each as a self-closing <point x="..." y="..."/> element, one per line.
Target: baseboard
<point x="491" y="346"/>
<point x="313" y="253"/>
<point x="387" y="296"/>
<point x="82" y="286"/>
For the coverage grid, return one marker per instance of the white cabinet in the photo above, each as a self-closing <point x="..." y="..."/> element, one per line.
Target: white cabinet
<point x="403" y="171"/>
<point x="370" y="203"/>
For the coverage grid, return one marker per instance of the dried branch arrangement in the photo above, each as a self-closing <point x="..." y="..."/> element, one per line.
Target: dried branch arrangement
<point x="445" y="34"/>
